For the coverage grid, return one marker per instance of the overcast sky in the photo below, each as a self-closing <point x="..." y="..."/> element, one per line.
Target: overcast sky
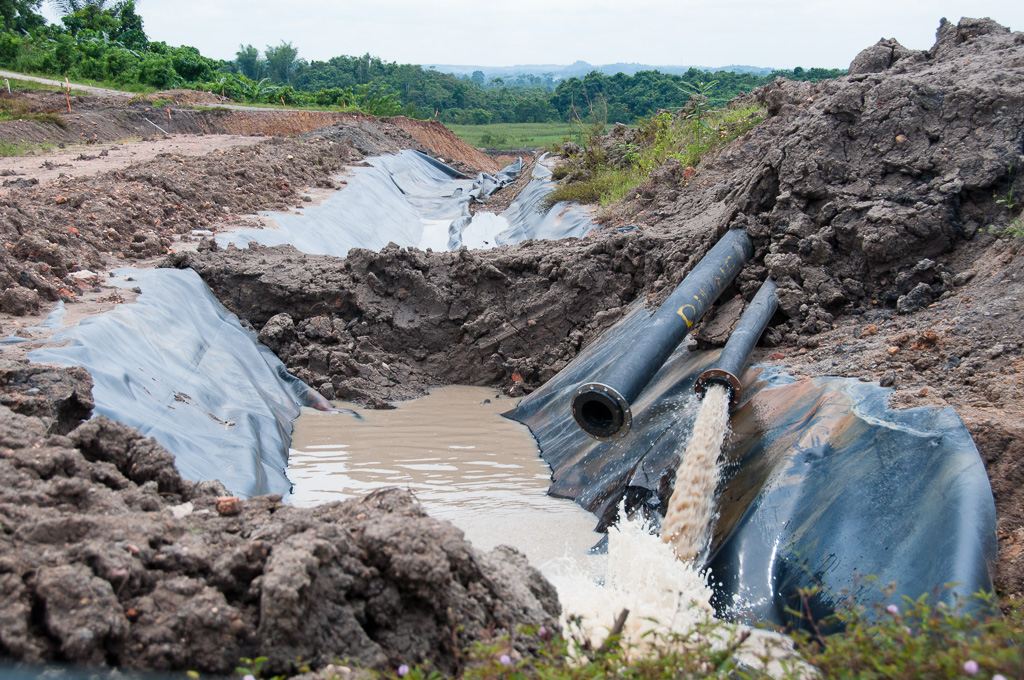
<point x="780" y="34"/>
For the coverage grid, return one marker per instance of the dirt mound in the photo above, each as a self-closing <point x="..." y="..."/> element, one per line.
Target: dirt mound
<point x="109" y="557"/>
<point x="56" y="229"/>
<point x="188" y="98"/>
<point x="94" y="120"/>
<point x="444" y="142"/>
<point x="389" y="325"/>
<point x="851" y="183"/>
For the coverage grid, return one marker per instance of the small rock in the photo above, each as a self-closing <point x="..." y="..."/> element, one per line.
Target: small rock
<point x="888" y="380"/>
<point x="920" y="296"/>
<point x="182" y="511"/>
<point x="893" y="349"/>
<point x="777" y="356"/>
<point x="963" y="277"/>
<point x="229" y="505"/>
<point x="19" y="301"/>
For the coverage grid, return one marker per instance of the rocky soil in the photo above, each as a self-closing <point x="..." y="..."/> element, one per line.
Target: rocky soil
<point x="869" y="199"/>
<point x="108" y="557"/>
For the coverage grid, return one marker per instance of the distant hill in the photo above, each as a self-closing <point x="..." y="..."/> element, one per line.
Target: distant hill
<point x="582" y="68"/>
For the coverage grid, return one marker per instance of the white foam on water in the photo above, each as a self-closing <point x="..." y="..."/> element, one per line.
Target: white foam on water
<point x="657" y="578"/>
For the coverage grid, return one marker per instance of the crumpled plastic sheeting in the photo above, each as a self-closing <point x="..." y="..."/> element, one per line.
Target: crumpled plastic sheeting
<point x="823" y="484"/>
<point x="405" y="199"/>
<point x="486" y="184"/>
<point x="181" y="369"/>
<point x="414" y="200"/>
<point x="524" y="219"/>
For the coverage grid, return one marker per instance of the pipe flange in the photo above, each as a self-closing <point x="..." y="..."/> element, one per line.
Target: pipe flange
<point x="601" y="411"/>
<point x="722" y="377"/>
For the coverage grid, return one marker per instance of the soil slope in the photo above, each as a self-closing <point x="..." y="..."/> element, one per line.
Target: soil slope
<point x="109" y="557"/>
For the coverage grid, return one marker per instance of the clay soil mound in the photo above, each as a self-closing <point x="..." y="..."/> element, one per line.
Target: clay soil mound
<point x="444" y="142"/>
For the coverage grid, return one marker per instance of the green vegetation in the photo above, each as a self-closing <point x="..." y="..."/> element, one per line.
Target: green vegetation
<point x="103" y="43"/>
<point x="906" y="640"/>
<point x="603" y="171"/>
<point x="1014" y="229"/>
<point x="915" y="639"/>
<point x="512" y="135"/>
<point x="1006" y="201"/>
<point x="19" y="85"/>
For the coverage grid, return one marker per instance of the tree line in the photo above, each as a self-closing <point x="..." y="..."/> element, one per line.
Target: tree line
<point x="103" y="41"/>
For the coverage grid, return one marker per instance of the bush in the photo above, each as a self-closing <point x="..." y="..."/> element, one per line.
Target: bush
<point x="10" y="49"/>
<point x="158" y="71"/>
<point x="91" y="69"/>
<point x="122" y="65"/>
<point x="190" y="65"/>
<point x="65" y="53"/>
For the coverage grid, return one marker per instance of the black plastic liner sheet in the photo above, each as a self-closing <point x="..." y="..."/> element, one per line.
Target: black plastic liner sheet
<point x="414" y="200"/>
<point x="181" y="369"/>
<point x="824" y="485"/>
<point x="526" y="218"/>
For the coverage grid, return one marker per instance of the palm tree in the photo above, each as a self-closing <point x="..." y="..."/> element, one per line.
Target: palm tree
<point x="65" y="7"/>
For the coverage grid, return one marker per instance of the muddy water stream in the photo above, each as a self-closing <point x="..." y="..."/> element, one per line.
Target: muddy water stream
<point x="464" y="462"/>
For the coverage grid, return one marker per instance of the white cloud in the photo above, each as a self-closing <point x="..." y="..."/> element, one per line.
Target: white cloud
<point x="784" y="34"/>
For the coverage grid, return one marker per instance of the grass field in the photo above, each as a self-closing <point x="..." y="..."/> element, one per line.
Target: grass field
<point x="512" y="135"/>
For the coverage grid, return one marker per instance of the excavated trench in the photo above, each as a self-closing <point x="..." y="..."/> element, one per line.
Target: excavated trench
<point x="864" y="198"/>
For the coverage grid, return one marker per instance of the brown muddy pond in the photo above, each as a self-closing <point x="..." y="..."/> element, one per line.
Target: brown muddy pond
<point x="463" y="461"/>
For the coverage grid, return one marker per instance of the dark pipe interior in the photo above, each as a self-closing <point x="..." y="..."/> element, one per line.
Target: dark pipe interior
<point x="598" y="414"/>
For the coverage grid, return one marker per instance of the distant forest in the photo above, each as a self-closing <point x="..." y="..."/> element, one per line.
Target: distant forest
<point x="105" y="42"/>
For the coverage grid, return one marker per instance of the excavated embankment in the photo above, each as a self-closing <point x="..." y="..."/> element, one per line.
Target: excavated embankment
<point x="868" y="198"/>
<point x="864" y="196"/>
<point x="108" y="557"/>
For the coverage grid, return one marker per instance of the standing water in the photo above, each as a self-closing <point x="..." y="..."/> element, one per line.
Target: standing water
<point x="463" y="461"/>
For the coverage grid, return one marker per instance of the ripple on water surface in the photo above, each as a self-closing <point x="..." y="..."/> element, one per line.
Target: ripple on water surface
<point x="461" y="459"/>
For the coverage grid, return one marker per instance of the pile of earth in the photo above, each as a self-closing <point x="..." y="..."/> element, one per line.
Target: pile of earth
<point x="867" y="197"/>
<point x="107" y="556"/>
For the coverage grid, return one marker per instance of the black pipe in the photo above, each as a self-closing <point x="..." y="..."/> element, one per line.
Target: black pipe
<point x="730" y="364"/>
<point x="602" y="407"/>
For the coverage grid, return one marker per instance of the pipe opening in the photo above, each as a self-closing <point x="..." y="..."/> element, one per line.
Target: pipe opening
<point x="598" y="416"/>
<point x="600" y="412"/>
<point x="718" y="376"/>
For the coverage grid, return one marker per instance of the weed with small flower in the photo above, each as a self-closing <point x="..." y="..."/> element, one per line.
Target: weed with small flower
<point x="894" y="639"/>
<point x="921" y="639"/>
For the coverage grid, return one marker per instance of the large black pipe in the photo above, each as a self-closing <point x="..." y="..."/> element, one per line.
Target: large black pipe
<point x="730" y="364"/>
<point x="602" y="407"/>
